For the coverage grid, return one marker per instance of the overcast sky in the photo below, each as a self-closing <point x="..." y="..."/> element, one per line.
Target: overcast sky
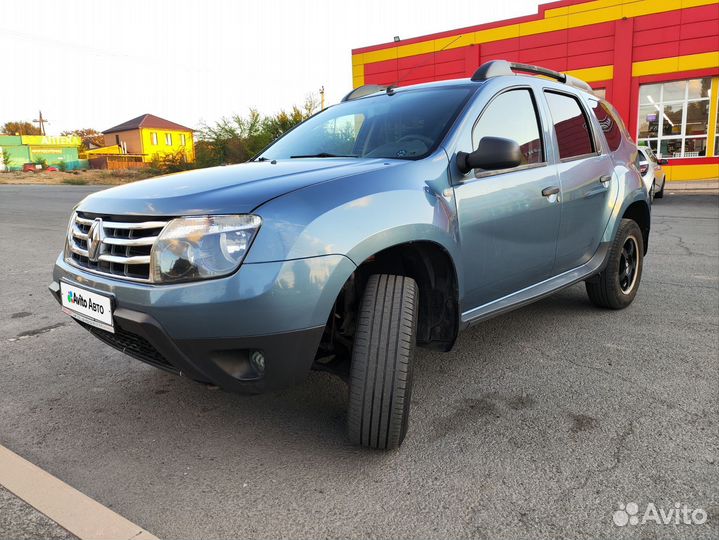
<point x="97" y="64"/>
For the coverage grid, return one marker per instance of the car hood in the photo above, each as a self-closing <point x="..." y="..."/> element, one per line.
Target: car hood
<point x="224" y="190"/>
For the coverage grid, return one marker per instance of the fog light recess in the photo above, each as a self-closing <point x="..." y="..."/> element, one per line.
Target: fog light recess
<point x="257" y="361"/>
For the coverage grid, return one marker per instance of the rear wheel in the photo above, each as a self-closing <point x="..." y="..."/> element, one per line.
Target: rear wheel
<point x="660" y="194"/>
<point x="381" y="370"/>
<point x="617" y="285"/>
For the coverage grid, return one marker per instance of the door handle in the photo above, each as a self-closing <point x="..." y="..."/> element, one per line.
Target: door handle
<point x="604" y="180"/>
<point x="551" y="190"/>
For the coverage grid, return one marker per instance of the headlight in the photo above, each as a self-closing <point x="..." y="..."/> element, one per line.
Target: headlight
<point x="192" y="248"/>
<point x="67" y="254"/>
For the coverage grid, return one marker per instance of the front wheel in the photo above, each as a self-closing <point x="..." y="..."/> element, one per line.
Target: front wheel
<point x="617" y="285"/>
<point x="381" y="370"/>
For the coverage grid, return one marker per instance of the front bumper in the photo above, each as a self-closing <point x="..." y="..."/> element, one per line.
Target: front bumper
<point x="207" y="330"/>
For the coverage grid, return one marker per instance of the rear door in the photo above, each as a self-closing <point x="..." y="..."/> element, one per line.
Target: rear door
<point x="586" y="172"/>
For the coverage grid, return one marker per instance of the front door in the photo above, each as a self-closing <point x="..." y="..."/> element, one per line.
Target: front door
<point x="508" y="227"/>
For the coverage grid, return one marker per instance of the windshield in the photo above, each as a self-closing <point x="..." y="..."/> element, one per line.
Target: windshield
<point x="408" y="124"/>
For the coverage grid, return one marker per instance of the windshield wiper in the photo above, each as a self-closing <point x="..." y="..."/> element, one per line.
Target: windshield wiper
<point x="321" y="154"/>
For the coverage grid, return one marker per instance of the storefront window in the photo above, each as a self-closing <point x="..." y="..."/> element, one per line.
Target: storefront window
<point x="670" y="147"/>
<point x="648" y="122"/>
<point x="674" y="116"/>
<point x="695" y="147"/>
<point x="697" y="117"/>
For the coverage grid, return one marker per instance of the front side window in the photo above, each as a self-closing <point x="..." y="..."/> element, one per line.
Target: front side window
<point x="406" y="124"/>
<point x="512" y="115"/>
<point x="574" y="137"/>
<point x="153" y="137"/>
<point x="168" y="139"/>
<point x="183" y="140"/>
<point x="674" y="116"/>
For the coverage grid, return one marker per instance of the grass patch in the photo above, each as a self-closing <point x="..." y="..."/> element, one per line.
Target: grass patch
<point x="75" y="181"/>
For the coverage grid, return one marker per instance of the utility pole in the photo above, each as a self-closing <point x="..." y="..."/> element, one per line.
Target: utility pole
<point x="41" y="121"/>
<point x="322" y="97"/>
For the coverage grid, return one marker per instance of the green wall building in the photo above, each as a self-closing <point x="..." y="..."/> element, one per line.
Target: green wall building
<point x="33" y="148"/>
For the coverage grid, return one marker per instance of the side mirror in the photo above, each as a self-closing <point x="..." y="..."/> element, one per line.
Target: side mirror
<point x="493" y="153"/>
<point x="663" y="162"/>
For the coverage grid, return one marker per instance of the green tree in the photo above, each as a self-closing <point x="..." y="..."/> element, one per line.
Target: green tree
<point x="89" y="137"/>
<point x="239" y="138"/>
<point x="20" y="128"/>
<point x="6" y="159"/>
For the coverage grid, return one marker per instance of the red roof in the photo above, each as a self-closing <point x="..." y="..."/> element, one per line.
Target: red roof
<point x="147" y="121"/>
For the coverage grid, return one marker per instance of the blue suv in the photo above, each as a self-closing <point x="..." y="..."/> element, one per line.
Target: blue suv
<point x="392" y="220"/>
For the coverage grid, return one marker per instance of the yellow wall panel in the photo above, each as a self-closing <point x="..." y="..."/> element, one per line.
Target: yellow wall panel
<point x="653" y="67"/>
<point x="678" y="173"/>
<point x="648" y="7"/>
<point x="413" y="49"/>
<point x="696" y="3"/>
<point x="556" y="12"/>
<point x="544" y="25"/>
<point x="358" y="71"/>
<point x="358" y="59"/>
<point x="677" y="63"/>
<point x="357" y="75"/>
<point x="698" y="61"/>
<point x="380" y="55"/>
<point x="598" y="4"/>
<point x="595" y="16"/>
<point x="496" y="34"/>
<point x="600" y="73"/>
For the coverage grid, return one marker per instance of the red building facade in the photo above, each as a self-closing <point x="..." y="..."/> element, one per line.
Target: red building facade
<point x="657" y="61"/>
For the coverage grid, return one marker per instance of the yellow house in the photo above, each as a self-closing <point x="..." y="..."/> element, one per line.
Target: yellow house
<point x="151" y="137"/>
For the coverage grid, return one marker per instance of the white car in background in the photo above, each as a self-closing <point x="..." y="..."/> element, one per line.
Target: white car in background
<point x="653" y="175"/>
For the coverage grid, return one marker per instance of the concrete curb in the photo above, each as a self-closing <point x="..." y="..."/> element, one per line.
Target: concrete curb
<point x="695" y="185"/>
<point x="73" y="511"/>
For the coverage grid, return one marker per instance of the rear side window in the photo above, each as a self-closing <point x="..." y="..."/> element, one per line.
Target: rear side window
<point x="512" y="115"/>
<point x="608" y="123"/>
<point x="571" y="126"/>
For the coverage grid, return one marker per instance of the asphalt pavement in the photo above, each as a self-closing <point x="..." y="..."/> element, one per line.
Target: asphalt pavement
<point x="539" y="424"/>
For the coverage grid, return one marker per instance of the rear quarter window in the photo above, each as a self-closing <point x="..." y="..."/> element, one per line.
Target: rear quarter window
<point x="607" y="121"/>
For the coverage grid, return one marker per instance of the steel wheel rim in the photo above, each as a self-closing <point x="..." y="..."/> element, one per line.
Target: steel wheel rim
<point x="628" y="265"/>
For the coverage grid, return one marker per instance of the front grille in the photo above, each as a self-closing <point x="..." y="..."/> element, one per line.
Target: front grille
<point x="123" y="245"/>
<point x="132" y="345"/>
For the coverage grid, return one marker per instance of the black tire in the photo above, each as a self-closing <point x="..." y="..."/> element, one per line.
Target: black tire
<point x="660" y="194"/>
<point x="381" y="370"/>
<point x="616" y="286"/>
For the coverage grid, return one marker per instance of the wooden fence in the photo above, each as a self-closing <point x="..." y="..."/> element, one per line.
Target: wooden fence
<point x="117" y="162"/>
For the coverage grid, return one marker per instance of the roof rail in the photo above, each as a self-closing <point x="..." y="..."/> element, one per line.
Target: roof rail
<point x="495" y="68"/>
<point x="364" y="90"/>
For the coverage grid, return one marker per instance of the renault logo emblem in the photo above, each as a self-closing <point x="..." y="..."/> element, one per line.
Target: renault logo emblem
<point x="95" y="237"/>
